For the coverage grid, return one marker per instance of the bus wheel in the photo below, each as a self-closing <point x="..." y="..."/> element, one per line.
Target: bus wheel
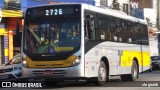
<point x="134" y="73"/>
<point x="102" y="75"/>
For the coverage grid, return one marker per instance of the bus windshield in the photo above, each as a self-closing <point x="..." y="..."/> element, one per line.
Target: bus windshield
<point x="46" y="33"/>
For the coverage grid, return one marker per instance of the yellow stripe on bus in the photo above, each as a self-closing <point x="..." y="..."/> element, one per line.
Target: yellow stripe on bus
<point x="128" y="56"/>
<point x="63" y="48"/>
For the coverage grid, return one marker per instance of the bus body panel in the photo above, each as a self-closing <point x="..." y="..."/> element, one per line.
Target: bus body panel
<point x="119" y="55"/>
<point x="118" y="64"/>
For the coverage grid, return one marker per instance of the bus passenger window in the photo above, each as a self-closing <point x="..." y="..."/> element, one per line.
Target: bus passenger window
<point x="89" y="28"/>
<point x="103" y="36"/>
<point x="129" y="39"/>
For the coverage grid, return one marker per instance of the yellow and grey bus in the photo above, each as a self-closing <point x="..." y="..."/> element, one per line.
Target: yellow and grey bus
<point x="80" y="41"/>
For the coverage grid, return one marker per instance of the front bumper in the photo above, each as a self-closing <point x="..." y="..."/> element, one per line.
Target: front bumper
<point x="58" y="73"/>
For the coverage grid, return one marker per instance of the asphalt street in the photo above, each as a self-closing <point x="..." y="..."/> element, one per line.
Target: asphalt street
<point x="146" y="81"/>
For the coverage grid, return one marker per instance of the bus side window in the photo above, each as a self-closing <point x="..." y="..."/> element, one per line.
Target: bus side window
<point x="89" y="27"/>
<point x="116" y="29"/>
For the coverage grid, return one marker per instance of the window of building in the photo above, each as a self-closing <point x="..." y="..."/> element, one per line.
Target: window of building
<point x="104" y="3"/>
<point x="13" y="5"/>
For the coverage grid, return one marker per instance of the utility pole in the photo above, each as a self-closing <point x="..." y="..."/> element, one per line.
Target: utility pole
<point x="158" y="15"/>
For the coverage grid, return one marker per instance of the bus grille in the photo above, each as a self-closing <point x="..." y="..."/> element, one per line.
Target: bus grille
<point x="55" y="73"/>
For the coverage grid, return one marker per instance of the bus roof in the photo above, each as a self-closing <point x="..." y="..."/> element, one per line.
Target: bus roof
<point x="114" y="13"/>
<point x="110" y="12"/>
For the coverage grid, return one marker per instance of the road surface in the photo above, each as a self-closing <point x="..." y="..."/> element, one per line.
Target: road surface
<point x="146" y="81"/>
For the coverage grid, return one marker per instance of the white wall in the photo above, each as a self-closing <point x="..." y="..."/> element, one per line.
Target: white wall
<point x="153" y="41"/>
<point x="109" y="2"/>
<point x="123" y="1"/>
<point x="150" y="13"/>
<point x="97" y="2"/>
<point x="155" y="4"/>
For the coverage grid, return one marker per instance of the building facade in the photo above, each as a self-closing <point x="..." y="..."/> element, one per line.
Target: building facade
<point x="10" y="10"/>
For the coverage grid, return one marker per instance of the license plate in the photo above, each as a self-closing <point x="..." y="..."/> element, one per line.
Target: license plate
<point x="4" y="77"/>
<point x="48" y="72"/>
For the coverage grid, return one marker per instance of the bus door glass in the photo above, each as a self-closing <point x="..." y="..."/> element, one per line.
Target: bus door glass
<point x="89" y="27"/>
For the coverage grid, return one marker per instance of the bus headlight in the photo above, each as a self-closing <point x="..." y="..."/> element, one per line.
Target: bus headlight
<point x="76" y="61"/>
<point x="25" y="63"/>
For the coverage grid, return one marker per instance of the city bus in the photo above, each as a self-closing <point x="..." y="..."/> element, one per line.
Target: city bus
<point x="83" y="42"/>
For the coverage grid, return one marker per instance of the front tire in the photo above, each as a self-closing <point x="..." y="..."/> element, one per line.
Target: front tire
<point x="102" y="75"/>
<point x="134" y="73"/>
